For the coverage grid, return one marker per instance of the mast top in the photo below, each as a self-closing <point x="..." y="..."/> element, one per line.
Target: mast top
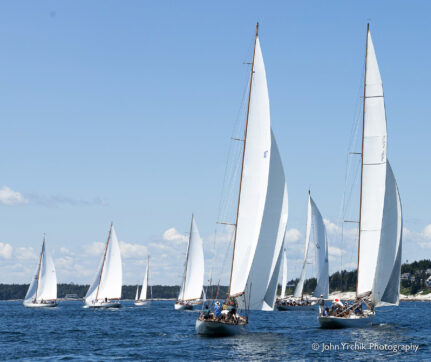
<point x="257" y="29"/>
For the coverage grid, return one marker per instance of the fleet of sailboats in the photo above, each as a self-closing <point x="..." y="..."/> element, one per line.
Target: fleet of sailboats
<point x="380" y="213"/>
<point x="193" y="280"/>
<point x="142" y="299"/>
<point x="259" y="246"/>
<point x="315" y="236"/>
<point x="42" y="291"/>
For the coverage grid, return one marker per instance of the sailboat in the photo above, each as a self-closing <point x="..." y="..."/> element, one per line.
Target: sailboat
<point x="315" y="234"/>
<point x="193" y="280"/>
<point x="380" y="213"/>
<point x="42" y="291"/>
<point x="105" y="291"/>
<point x="142" y="300"/>
<point x="261" y="216"/>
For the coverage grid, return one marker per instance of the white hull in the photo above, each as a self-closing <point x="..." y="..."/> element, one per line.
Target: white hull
<point x="217" y="329"/>
<point x="108" y="304"/>
<point x="296" y="308"/>
<point x="40" y="305"/>
<point x="183" y="306"/>
<point x="340" y="322"/>
<point x="142" y="302"/>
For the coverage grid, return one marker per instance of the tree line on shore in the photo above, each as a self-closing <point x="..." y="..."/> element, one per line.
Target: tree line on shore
<point x="344" y="281"/>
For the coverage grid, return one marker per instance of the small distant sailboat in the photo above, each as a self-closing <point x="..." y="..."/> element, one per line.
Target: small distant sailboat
<point x="42" y="291"/>
<point x="193" y="281"/>
<point x="380" y="213"/>
<point x="142" y="300"/>
<point x="316" y="235"/>
<point x="261" y="216"/>
<point x="105" y="291"/>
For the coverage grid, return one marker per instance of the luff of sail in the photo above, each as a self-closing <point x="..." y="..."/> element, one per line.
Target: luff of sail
<point x="145" y="282"/>
<point x="194" y="271"/>
<point x="44" y="284"/>
<point x="108" y="281"/>
<point x="373" y="172"/>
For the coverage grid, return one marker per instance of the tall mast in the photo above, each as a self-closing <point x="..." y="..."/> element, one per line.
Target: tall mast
<point x="148" y="272"/>
<point x="103" y="262"/>
<point x="38" y="270"/>
<point x="243" y="155"/>
<point x="187" y="257"/>
<point x="362" y="155"/>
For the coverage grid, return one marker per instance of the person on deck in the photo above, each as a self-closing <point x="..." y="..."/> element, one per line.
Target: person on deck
<point x="217" y="310"/>
<point x="206" y="312"/>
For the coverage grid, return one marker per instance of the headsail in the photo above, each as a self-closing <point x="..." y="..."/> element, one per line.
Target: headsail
<point x="194" y="271"/>
<point x="44" y="284"/>
<point x="386" y="287"/>
<point x="145" y="283"/>
<point x="262" y="281"/>
<point x="137" y="292"/>
<point x="108" y="280"/>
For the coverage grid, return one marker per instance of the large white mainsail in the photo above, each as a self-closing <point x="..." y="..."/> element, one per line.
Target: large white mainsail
<point x="380" y="234"/>
<point x="262" y="209"/>
<point x="108" y="281"/>
<point x="284" y="276"/>
<point x="316" y="235"/>
<point x="43" y="287"/>
<point x="193" y="280"/>
<point x="145" y="282"/>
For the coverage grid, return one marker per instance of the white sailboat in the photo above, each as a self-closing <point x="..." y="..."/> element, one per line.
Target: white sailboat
<point x="261" y="216"/>
<point x="315" y="235"/>
<point x="42" y="291"/>
<point x="380" y="214"/>
<point x="105" y="291"/>
<point x="142" y="300"/>
<point x="193" y="281"/>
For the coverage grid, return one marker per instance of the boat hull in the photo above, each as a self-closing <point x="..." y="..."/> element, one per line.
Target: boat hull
<point x="109" y="304"/>
<point x="296" y="308"/>
<point x="142" y="302"/>
<point x="40" y="305"/>
<point x="178" y="306"/>
<point x="339" y="322"/>
<point x="213" y="328"/>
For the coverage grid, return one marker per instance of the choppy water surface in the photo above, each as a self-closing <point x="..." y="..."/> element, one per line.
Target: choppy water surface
<point x="157" y="331"/>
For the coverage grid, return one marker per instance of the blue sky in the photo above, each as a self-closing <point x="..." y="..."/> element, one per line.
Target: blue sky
<point x="124" y="111"/>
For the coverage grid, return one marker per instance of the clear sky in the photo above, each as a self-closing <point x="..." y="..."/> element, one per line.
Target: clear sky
<point x="123" y="111"/>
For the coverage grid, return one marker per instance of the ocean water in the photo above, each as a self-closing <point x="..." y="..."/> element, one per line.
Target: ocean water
<point x="156" y="332"/>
